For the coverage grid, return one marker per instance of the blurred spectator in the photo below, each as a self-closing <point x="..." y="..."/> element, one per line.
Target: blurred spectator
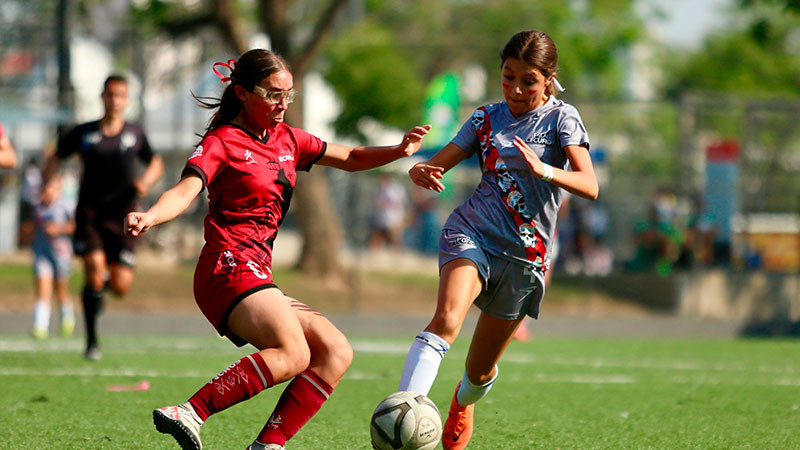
<point x="8" y="158"/>
<point x="598" y="259"/>
<point x="389" y="216"/>
<point x="425" y="223"/>
<point x="30" y="195"/>
<point x="658" y="240"/>
<point x="52" y="259"/>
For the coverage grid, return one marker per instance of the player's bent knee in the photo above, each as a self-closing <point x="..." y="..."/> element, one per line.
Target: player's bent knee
<point x="120" y="290"/>
<point x="299" y="358"/>
<point x="335" y="352"/>
<point x="342" y="356"/>
<point x="445" y="325"/>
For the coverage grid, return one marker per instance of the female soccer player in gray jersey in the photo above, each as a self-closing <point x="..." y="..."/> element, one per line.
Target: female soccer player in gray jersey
<point x="493" y="250"/>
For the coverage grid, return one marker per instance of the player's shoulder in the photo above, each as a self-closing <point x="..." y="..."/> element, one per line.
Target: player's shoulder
<point x="133" y="128"/>
<point x="492" y="108"/>
<point x="86" y="127"/>
<point x="563" y="108"/>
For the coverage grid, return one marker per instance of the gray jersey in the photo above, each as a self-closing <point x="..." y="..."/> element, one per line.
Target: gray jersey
<point x="512" y="214"/>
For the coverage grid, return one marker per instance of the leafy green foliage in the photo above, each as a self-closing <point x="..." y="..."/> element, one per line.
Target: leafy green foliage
<point x="452" y="34"/>
<point x="758" y="58"/>
<point x="375" y="78"/>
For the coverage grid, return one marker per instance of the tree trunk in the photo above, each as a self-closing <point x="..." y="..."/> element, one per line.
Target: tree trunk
<point x="319" y="225"/>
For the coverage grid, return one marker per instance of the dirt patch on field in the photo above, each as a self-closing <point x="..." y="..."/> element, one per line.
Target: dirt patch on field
<point x="164" y="286"/>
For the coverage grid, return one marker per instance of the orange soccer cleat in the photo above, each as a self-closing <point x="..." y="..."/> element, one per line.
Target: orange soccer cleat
<point x="458" y="427"/>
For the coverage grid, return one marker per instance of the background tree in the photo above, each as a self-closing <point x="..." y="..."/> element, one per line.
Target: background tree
<point x="296" y="31"/>
<point x="402" y="44"/>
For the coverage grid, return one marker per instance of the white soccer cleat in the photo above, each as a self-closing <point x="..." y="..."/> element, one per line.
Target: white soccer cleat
<point x="182" y="423"/>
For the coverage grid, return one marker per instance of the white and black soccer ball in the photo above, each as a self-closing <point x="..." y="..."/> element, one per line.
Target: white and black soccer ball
<point x="405" y="421"/>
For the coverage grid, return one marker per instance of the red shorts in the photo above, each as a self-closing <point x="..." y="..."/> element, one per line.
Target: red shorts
<point x="222" y="280"/>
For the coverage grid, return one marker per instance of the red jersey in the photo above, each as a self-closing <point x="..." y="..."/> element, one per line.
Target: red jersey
<point x="250" y="183"/>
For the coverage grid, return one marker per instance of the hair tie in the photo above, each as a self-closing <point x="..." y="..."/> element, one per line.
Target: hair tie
<point x="557" y="85"/>
<point x="229" y="65"/>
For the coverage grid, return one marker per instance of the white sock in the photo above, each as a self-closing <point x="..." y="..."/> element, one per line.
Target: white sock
<point x="469" y="393"/>
<point x="41" y="315"/>
<point x="67" y="312"/>
<point x="422" y="363"/>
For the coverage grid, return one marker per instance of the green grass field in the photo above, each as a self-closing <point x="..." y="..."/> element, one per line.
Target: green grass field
<point x="550" y="394"/>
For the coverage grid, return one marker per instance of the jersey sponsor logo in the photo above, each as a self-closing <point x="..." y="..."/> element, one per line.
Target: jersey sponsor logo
<point x="462" y="241"/>
<point x="539" y="138"/>
<point x="197" y="152"/>
<point x="248" y="157"/>
<point x="284" y="158"/>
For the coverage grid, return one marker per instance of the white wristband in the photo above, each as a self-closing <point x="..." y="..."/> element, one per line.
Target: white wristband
<point x="548" y="172"/>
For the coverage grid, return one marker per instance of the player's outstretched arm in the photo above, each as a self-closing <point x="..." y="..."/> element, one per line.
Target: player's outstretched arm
<point x="354" y="159"/>
<point x="8" y="158"/>
<point x="168" y="206"/>
<point x="428" y="173"/>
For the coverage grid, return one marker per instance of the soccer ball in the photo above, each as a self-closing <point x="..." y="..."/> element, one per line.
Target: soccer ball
<point x="405" y="421"/>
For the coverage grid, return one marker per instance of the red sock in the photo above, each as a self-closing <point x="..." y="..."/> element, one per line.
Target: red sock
<point x="299" y="402"/>
<point x="240" y="381"/>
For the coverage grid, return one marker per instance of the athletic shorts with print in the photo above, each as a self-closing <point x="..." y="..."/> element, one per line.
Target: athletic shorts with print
<point x="222" y="280"/>
<point x="510" y="290"/>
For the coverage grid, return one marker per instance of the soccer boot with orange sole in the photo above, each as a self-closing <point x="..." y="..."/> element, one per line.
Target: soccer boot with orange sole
<point x="458" y="427"/>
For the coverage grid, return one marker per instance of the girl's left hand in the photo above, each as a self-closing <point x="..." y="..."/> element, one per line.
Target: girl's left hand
<point x="412" y="140"/>
<point x="534" y="163"/>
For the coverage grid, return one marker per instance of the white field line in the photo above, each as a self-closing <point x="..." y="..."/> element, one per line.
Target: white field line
<point x="593" y="379"/>
<point x="519" y="358"/>
<point x="171" y="346"/>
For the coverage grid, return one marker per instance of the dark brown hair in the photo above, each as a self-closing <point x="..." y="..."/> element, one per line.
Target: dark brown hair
<point x="114" y="79"/>
<point x="535" y="48"/>
<point x="252" y="67"/>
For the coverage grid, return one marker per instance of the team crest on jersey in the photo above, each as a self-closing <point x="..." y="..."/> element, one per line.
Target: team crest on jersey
<point x="128" y="141"/>
<point x="197" y="152"/>
<point x="93" y="138"/>
<point x="539" y="138"/>
<point x="248" y="157"/>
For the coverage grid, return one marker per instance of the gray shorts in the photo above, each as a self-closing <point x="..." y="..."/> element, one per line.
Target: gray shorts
<point x="510" y="289"/>
<point x="49" y="265"/>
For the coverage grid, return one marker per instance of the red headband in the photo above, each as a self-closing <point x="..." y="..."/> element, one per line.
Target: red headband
<point x="229" y="65"/>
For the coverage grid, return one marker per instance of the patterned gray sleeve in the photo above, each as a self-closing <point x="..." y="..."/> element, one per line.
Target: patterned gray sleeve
<point x="466" y="139"/>
<point x="570" y="128"/>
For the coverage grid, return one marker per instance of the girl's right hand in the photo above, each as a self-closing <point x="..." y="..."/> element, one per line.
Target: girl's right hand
<point x="427" y="176"/>
<point x="136" y="223"/>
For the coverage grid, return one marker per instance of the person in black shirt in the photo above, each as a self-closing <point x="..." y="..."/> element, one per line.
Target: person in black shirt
<point x="109" y="149"/>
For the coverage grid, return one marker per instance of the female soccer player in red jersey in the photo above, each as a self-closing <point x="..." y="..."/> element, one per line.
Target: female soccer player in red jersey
<point x="495" y="248"/>
<point x="248" y="160"/>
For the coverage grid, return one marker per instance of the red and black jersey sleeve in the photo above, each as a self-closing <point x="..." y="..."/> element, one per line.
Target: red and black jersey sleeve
<point x="208" y="159"/>
<point x="309" y="149"/>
